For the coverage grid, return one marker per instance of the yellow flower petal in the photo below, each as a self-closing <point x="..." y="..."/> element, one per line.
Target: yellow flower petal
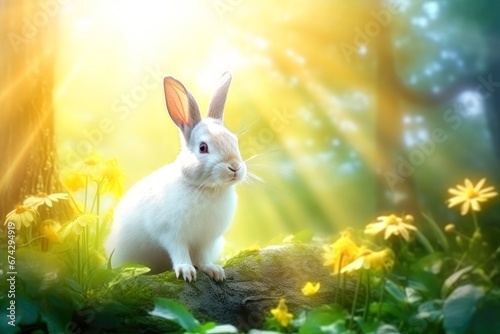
<point x="465" y="208"/>
<point x="405" y="234"/>
<point x="408" y="226"/>
<point x="454" y="201"/>
<point x="353" y="266"/>
<point x="489" y="195"/>
<point x="480" y="184"/>
<point x="455" y="192"/>
<point x="375" y="228"/>
<point x="310" y="289"/>
<point x="280" y="313"/>
<point x="475" y="205"/>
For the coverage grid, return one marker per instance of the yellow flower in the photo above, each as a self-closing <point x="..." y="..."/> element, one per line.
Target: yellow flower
<point x="92" y="167"/>
<point x="112" y="177"/>
<point x="341" y="252"/>
<point x="470" y="195"/>
<point x="44" y="199"/>
<point x="281" y="314"/>
<point x="310" y="289"/>
<point x="50" y="229"/>
<point x="21" y="215"/>
<point x="376" y="261"/>
<point x="74" y="181"/>
<point x="391" y="225"/>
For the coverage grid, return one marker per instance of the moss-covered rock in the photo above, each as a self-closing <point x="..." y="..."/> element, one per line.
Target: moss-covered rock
<point x="255" y="281"/>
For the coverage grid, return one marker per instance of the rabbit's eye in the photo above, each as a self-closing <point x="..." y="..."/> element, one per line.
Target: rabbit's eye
<point x="203" y="147"/>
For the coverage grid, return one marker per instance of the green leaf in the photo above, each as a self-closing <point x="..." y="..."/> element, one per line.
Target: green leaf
<point x="27" y="310"/>
<point x="395" y="291"/>
<point x="322" y="316"/>
<point x="412" y="296"/>
<point x="387" y="309"/>
<point x="102" y="276"/>
<point x="369" y="325"/>
<point x="56" y="310"/>
<point x="133" y="269"/>
<point x="459" y="308"/>
<point x="171" y="310"/>
<point x="222" y="329"/>
<point x="441" y="238"/>
<point x="431" y="311"/>
<point x="450" y="281"/>
<point x="386" y="329"/>
<point x="126" y="271"/>
<point x="425" y="242"/>
<point x="208" y="326"/>
<point x="338" y="327"/>
<point x="432" y="263"/>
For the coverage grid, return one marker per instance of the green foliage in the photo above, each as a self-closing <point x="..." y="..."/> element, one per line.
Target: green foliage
<point x="460" y="307"/>
<point x="172" y="310"/>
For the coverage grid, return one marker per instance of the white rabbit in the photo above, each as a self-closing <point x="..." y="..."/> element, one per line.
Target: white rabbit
<point x="175" y="217"/>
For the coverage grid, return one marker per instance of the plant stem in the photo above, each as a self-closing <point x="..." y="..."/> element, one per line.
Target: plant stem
<point x="78" y="260"/>
<point x="381" y="298"/>
<point x="367" y="295"/>
<point x="339" y="278"/>
<point x="474" y="218"/>
<point x="343" y="288"/>
<point x="86" y="193"/>
<point x="459" y="264"/>
<point x="97" y="236"/>
<point x="355" y="300"/>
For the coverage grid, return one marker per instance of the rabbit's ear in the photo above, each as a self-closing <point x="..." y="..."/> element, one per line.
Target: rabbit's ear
<point x="181" y="105"/>
<point x="218" y="99"/>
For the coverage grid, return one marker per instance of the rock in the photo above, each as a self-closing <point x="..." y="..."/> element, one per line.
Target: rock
<point x="255" y="282"/>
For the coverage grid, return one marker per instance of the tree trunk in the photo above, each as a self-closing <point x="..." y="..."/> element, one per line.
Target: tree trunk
<point x="396" y="191"/>
<point x="28" y="164"/>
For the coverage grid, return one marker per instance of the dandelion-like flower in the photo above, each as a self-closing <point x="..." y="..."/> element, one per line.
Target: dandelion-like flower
<point x="470" y="196"/>
<point x="341" y="252"/>
<point x="281" y="314"/>
<point x="392" y="225"/>
<point x="74" y="181"/>
<point x="377" y="261"/>
<point x="310" y="289"/>
<point x="21" y="215"/>
<point x="44" y="199"/>
<point x="92" y="167"/>
<point x="113" y="179"/>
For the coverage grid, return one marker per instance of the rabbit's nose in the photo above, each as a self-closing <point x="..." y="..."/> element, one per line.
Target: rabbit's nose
<point x="233" y="169"/>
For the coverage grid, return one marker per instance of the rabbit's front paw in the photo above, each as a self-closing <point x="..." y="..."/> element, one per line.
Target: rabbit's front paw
<point x="214" y="271"/>
<point x="187" y="271"/>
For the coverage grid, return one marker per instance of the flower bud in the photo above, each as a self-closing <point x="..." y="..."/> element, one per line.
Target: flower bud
<point x="450" y="228"/>
<point x="409" y="219"/>
<point x="477" y="236"/>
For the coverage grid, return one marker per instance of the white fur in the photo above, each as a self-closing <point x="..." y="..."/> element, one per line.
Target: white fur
<point x="176" y="216"/>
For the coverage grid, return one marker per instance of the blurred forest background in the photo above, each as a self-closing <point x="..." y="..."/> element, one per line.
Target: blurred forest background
<point x="354" y="108"/>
